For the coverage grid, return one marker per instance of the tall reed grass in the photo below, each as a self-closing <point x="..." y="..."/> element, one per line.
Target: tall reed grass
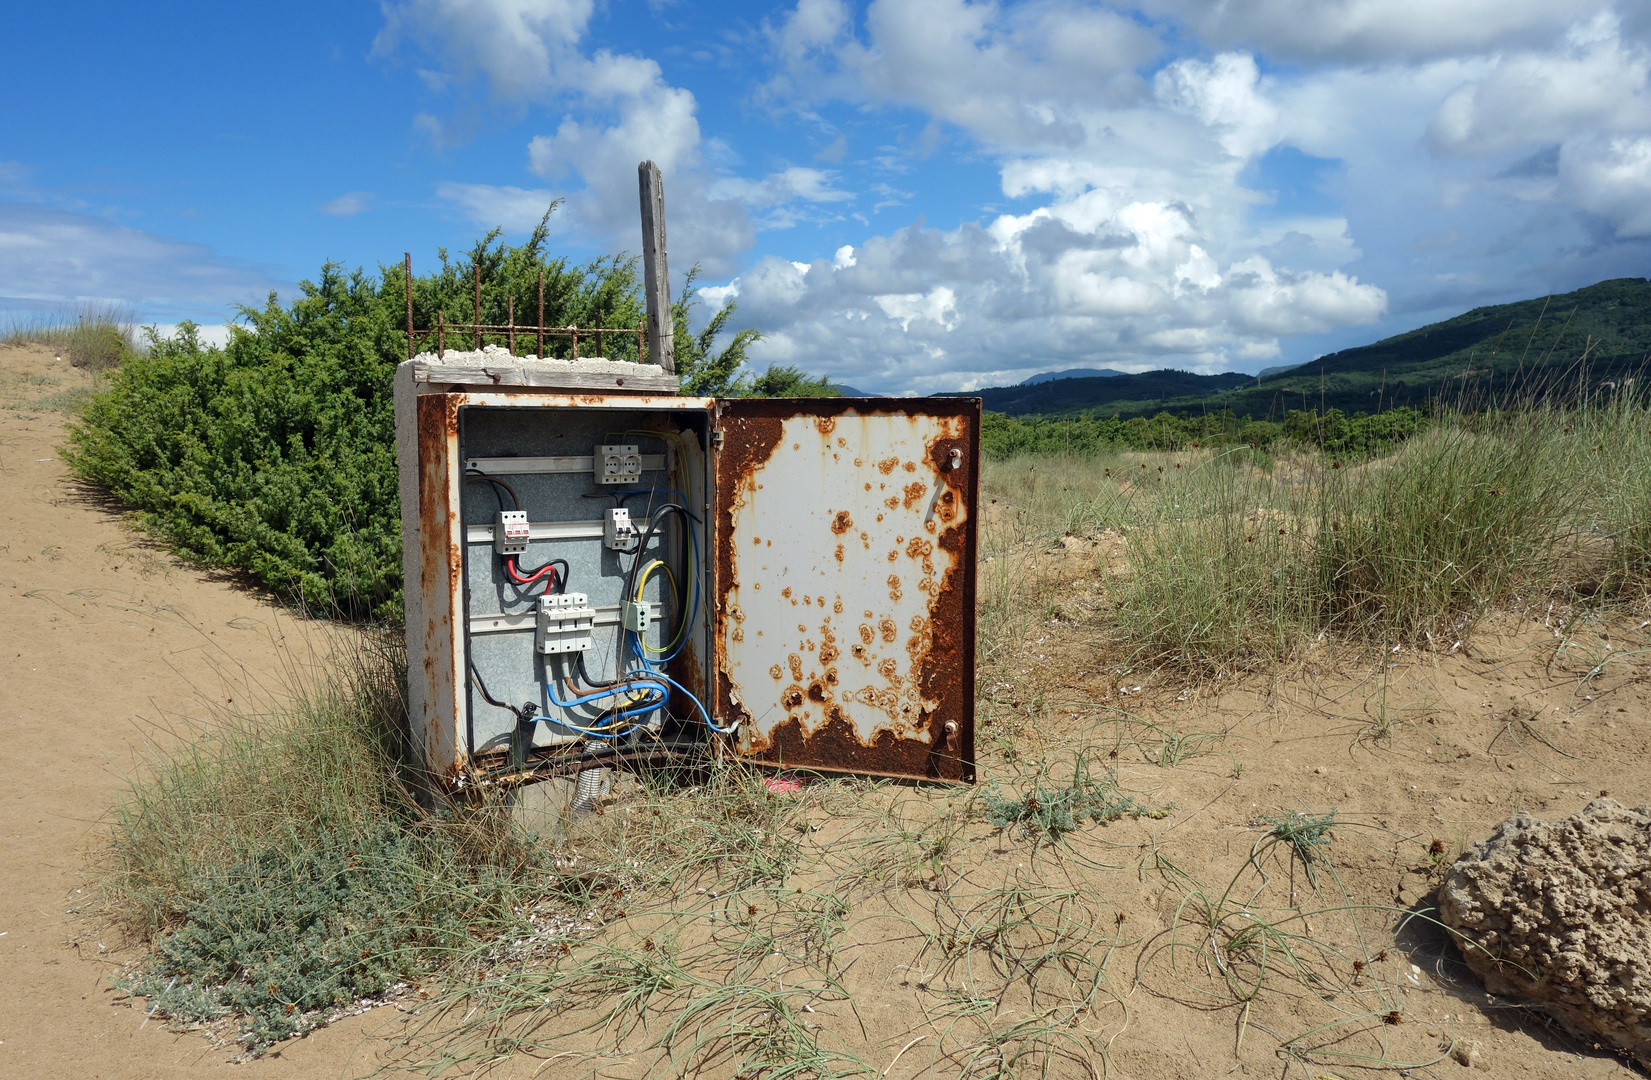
<point x="96" y="337"/>
<point x="1235" y="559"/>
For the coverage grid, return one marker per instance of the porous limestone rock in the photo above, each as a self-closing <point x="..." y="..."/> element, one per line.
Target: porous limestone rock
<point x="1558" y="913"/>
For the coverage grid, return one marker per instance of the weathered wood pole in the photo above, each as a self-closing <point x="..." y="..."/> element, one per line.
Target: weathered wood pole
<point x="407" y="276"/>
<point x="656" y="282"/>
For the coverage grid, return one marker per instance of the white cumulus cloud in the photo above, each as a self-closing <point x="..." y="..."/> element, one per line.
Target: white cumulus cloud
<point x="616" y="110"/>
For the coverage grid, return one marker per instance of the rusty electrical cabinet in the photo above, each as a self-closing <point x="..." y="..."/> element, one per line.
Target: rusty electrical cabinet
<point x="812" y="605"/>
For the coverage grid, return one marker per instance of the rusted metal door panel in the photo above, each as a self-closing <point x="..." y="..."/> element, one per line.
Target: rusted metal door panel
<point x="845" y="582"/>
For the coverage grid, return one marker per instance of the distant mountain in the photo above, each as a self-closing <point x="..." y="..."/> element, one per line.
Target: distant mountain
<point x="1107" y="394"/>
<point x="849" y="391"/>
<point x="1557" y="343"/>
<point x="1073" y="373"/>
<point x="1554" y="343"/>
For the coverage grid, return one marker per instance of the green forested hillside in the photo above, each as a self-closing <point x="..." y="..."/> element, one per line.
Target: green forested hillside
<point x="1106" y="395"/>
<point x="1488" y="355"/>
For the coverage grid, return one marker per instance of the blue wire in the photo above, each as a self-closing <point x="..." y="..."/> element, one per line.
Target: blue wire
<point x="600" y="694"/>
<point x="697" y="704"/>
<point x="643" y="710"/>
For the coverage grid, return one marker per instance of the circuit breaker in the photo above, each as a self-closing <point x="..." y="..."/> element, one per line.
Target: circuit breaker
<point x="600" y="569"/>
<point x="618" y="532"/>
<point x="511" y="532"/>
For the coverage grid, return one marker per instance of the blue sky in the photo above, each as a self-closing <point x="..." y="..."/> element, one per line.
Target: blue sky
<point x="909" y="196"/>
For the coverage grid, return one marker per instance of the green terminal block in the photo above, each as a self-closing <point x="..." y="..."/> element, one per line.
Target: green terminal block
<point x="636" y="616"/>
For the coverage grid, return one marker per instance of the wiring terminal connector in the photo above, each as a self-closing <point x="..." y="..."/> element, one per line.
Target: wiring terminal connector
<point x="564" y="624"/>
<point x="510" y="532"/>
<point x="636" y="615"/>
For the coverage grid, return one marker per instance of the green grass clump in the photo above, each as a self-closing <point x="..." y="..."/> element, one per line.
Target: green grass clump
<point x="96" y="337"/>
<point x="1052" y="811"/>
<point x="1455" y="523"/>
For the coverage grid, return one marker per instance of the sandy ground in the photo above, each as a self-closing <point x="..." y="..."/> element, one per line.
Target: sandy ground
<point x="106" y="646"/>
<point x="111" y="646"/>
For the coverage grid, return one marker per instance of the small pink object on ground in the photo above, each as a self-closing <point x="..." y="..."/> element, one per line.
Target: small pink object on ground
<point x="782" y="785"/>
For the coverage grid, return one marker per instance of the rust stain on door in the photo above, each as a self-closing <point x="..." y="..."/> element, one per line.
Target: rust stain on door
<point x="844" y="620"/>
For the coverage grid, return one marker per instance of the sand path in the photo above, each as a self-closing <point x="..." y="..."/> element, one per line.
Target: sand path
<point x="106" y="644"/>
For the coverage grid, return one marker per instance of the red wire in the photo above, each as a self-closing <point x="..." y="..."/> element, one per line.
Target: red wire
<point x="538" y="575"/>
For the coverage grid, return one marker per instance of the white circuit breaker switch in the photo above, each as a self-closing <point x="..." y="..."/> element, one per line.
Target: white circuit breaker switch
<point x="618" y="532"/>
<point x="510" y="532"/>
<point x="565" y="622"/>
<point x="618" y="464"/>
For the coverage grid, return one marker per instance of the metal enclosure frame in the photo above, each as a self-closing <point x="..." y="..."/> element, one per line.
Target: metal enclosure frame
<point x="917" y="722"/>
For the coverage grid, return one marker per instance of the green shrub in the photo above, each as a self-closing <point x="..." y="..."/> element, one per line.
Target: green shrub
<point x="276" y="455"/>
<point x="304" y="927"/>
<point x="1333" y="431"/>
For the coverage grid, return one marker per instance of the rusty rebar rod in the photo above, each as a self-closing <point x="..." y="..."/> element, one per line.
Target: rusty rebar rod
<point x="441" y="337"/>
<point x="541" y="314"/>
<point x="478" y="307"/>
<point x="510" y="309"/>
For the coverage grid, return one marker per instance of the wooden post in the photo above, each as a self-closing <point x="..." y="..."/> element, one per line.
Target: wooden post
<point x="478" y="308"/>
<point x="656" y="282"/>
<point x="510" y="306"/>
<point x="407" y="266"/>
<point x="541" y="314"/>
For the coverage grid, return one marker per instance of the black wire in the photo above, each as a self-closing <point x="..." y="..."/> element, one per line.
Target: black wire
<point x="659" y="514"/>
<point x="477" y="474"/>
<point x="626" y="497"/>
<point x="476" y="677"/>
<point x="594" y="684"/>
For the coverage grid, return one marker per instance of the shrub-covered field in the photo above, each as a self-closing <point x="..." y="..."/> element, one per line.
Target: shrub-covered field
<point x="1332" y="431"/>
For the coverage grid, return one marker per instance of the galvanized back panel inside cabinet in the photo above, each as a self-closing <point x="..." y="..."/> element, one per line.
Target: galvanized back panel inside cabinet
<point x="433" y="531"/>
<point x="845" y="582"/>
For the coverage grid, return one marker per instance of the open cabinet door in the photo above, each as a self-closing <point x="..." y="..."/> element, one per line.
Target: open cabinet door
<point x="844" y="582"/>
